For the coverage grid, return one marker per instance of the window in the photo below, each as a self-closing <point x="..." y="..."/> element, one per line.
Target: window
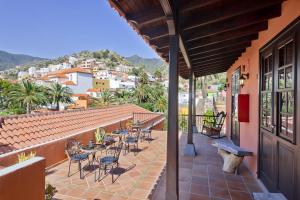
<point x="285" y="91"/>
<point x="266" y="96"/>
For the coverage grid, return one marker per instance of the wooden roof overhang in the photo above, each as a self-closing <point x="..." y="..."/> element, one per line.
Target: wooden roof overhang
<point x="213" y="33"/>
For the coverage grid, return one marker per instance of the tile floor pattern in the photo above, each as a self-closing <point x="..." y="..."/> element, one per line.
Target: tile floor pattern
<point x="138" y="175"/>
<point x="201" y="178"/>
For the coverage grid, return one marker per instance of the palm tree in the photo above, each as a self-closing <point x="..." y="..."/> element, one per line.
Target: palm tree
<point x="27" y="94"/>
<point x="160" y="104"/>
<point x="59" y="94"/>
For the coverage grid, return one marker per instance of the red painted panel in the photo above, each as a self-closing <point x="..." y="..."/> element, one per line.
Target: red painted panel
<point x="243" y="107"/>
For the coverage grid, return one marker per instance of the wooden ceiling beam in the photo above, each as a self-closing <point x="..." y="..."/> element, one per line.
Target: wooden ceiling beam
<point x="147" y="16"/>
<point x="218" y="55"/>
<point x="217" y="59"/>
<point x="218" y="52"/>
<point x="206" y="73"/>
<point x="213" y="69"/>
<point x="155" y="32"/>
<point x="248" y="30"/>
<point x="167" y="8"/>
<point x="234" y="23"/>
<point x="190" y="5"/>
<point x="224" y="11"/>
<point x="212" y="65"/>
<point x="222" y="44"/>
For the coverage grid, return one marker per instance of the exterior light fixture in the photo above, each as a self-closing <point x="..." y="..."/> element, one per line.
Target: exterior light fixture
<point x="243" y="78"/>
<point x="226" y="86"/>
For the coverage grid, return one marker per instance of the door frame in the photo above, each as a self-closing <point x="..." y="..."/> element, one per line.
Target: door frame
<point x="237" y="70"/>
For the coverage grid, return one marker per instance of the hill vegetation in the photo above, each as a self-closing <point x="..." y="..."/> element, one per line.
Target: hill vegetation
<point x="110" y="58"/>
<point x="10" y="60"/>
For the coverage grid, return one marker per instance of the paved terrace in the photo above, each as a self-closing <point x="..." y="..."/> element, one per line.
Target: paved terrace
<point x="138" y="174"/>
<point x="201" y="178"/>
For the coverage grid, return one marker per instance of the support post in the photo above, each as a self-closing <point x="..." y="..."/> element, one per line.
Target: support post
<point x="190" y="148"/>
<point x="194" y="107"/>
<point x="190" y="113"/>
<point x="172" y="137"/>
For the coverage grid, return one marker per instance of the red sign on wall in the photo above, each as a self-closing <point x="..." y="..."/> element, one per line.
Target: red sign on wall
<point x="243" y="107"/>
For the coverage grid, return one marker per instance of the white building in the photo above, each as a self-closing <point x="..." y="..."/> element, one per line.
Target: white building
<point x="77" y="79"/>
<point x="103" y="74"/>
<point x="123" y="68"/>
<point x="183" y="98"/>
<point x="87" y="64"/>
<point x="53" y="68"/>
<point x="127" y="85"/>
<point x="22" y="75"/>
<point x="32" y="71"/>
<point x="72" y="60"/>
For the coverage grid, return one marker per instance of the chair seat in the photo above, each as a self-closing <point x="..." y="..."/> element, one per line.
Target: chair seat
<point x="131" y="140"/>
<point x="79" y="157"/>
<point x="108" y="160"/>
<point x="145" y="130"/>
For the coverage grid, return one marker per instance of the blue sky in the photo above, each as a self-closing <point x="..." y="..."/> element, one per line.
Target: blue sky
<point x="52" y="28"/>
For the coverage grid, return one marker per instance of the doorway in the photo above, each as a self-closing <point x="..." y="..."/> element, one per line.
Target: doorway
<point x="278" y="145"/>
<point x="235" y="90"/>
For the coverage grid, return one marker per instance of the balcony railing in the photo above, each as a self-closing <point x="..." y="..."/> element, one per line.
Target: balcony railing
<point x="183" y="122"/>
<point x="146" y="117"/>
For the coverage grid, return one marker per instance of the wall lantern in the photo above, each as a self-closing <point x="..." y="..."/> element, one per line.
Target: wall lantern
<point x="226" y="85"/>
<point x="243" y="78"/>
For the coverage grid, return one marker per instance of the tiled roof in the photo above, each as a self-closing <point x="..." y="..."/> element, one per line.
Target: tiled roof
<point x="18" y="132"/>
<point x="57" y="75"/>
<point x="71" y="70"/>
<point x="94" y="90"/>
<point x="69" y="83"/>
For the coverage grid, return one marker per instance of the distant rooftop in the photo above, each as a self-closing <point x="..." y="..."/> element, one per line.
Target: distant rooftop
<point x="25" y="131"/>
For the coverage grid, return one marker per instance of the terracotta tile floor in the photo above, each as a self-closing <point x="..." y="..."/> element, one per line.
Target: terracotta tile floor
<point x="138" y="175"/>
<point x="201" y="178"/>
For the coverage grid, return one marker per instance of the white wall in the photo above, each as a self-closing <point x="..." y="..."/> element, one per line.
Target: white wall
<point x="84" y="82"/>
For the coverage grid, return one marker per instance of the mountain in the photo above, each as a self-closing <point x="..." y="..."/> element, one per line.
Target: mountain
<point x="10" y="60"/>
<point x="151" y="64"/>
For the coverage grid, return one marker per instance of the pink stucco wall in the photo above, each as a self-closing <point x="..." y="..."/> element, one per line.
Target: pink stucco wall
<point x="249" y="131"/>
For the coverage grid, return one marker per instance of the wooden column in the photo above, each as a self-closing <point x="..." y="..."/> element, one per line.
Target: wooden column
<point x="172" y="138"/>
<point x="194" y="102"/>
<point x="190" y="113"/>
<point x="189" y="149"/>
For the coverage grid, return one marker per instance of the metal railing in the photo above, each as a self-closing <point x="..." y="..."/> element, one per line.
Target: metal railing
<point x="146" y="117"/>
<point x="183" y="122"/>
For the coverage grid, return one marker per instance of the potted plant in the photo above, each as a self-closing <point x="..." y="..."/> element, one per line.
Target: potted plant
<point x="22" y="156"/>
<point x="50" y="192"/>
<point x="99" y="135"/>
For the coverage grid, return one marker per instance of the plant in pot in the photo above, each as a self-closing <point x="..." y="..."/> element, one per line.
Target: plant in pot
<point x="50" y="192"/>
<point x="99" y="135"/>
<point x="22" y="156"/>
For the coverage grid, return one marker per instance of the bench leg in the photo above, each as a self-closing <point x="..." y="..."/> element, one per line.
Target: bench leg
<point x="231" y="161"/>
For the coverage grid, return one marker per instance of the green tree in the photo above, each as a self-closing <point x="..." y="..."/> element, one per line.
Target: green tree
<point x="28" y="95"/>
<point x="158" y="74"/>
<point x="59" y="94"/>
<point x="160" y="104"/>
<point x="105" y="99"/>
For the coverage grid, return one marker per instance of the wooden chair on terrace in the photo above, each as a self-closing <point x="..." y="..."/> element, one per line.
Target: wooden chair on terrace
<point x="213" y="129"/>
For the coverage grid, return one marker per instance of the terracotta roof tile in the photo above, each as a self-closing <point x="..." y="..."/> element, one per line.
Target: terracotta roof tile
<point x="23" y="131"/>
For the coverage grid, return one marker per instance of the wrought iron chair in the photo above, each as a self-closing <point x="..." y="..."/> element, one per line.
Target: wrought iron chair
<point x="213" y="128"/>
<point x="75" y="155"/>
<point x="109" y="161"/>
<point x="146" y="133"/>
<point x="132" y="140"/>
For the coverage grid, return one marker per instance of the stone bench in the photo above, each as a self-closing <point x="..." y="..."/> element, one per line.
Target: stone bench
<point x="232" y="155"/>
<point x="268" y="196"/>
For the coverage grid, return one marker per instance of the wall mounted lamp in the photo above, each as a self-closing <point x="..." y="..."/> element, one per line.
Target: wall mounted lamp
<point x="243" y="78"/>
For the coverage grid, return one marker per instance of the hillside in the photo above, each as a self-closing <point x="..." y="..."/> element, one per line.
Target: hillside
<point x="150" y="64"/>
<point x="10" y="60"/>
